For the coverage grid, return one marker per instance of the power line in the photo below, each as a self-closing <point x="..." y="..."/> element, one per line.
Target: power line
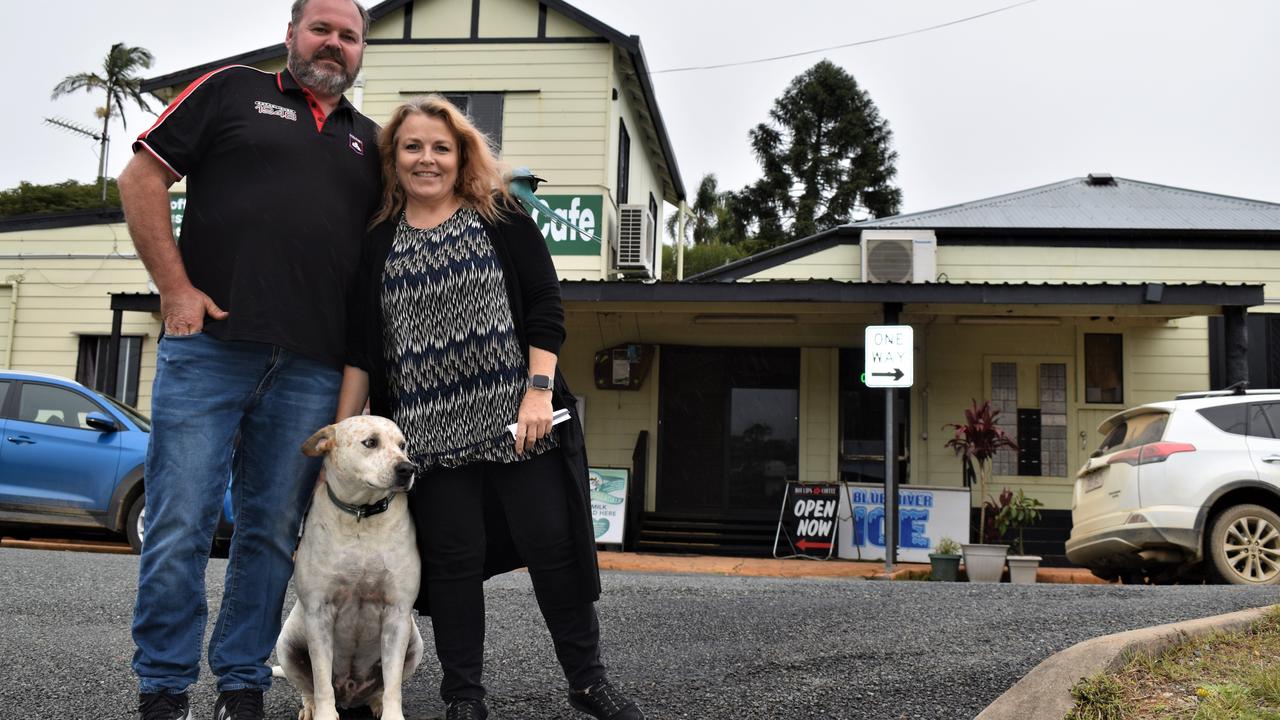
<point x="846" y="45"/>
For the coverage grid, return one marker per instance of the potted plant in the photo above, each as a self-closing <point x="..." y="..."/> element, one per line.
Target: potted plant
<point x="1019" y="512"/>
<point x="979" y="438"/>
<point x="944" y="561"/>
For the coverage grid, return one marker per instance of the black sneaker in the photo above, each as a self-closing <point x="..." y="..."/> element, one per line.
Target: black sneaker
<point x="605" y="702"/>
<point x="466" y="709"/>
<point x="163" y="706"/>
<point x="243" y="704"/>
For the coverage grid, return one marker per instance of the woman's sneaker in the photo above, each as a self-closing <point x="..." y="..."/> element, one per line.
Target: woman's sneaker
<point x="605" y="702"/>
<point x="163" y="706"/>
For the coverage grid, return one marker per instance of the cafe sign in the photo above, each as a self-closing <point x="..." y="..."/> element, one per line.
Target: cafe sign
<point x="576" y="227"/>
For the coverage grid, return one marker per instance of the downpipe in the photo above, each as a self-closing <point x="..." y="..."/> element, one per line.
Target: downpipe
<point x="12" y="282"/>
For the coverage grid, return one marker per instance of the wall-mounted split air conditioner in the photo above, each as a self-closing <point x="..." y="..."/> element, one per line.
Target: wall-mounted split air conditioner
<point x="635" y="243"/>
<point x="899" y="256"/>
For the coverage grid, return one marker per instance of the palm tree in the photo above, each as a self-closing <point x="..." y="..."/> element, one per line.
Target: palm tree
<point x="709" y="215"/>
<point x="119" y="80"/>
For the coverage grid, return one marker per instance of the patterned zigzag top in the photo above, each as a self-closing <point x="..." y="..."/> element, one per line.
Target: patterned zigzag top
<point x="456" y="367"/>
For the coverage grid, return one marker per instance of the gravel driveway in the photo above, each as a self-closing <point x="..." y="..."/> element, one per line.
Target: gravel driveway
<point x="687" y="646"/>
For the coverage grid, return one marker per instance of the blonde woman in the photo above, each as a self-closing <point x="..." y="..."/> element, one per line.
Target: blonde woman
<point x="456" y="336"/>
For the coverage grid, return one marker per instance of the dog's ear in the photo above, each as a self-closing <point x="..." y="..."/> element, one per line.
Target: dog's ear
<point x="319" y="443"/>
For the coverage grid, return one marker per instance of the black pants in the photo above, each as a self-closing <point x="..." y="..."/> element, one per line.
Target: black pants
<point x="449" y="511"/>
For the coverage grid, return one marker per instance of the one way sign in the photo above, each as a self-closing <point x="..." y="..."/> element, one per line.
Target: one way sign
<point x="890" y="361"/>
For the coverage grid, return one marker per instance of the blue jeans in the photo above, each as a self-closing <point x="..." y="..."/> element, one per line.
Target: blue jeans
<point x="206" y="390"/>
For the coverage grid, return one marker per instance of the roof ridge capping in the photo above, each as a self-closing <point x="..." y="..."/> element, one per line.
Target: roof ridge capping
<point x="1090" y="202"/>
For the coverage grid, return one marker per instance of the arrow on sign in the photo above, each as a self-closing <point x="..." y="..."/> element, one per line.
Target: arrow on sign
<point x="806" y="544"/>
<point x="896" y="374"/>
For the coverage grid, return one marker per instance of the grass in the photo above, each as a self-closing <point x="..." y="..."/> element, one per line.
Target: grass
<point x="1230" y="676"/>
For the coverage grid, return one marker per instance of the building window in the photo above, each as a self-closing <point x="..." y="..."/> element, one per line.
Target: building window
<point x="862" y="424"/>
<point x="624" y="161"/>
<point x="1040" y="431"/>
<point x="1103" y="368"/>
<point x="1004" y="397"/>
<point x="1053" y="419"/>
<point x="91" y="368"/>
<point x="485" y="111"/>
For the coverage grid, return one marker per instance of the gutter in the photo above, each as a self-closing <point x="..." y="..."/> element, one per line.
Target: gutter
<point x="66" y="256"/>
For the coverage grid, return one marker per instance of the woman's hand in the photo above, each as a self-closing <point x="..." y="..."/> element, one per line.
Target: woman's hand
<point x="534" y="419"/>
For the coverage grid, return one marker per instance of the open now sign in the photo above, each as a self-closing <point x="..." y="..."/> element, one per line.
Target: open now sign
<point x="807" y="524"/>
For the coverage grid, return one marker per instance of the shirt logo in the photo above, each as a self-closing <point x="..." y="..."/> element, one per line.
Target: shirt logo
<point x="267" y="108"/>
<point x="356" y="144"/>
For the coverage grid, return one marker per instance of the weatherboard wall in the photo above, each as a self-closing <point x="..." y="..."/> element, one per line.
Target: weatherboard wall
<point x="62" y="297"/>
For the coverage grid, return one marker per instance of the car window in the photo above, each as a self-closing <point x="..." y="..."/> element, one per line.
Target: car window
<point x="4" y="393"/>
<point x="51" y="405"/>
<point x="1135" y="431"/>
<point x="1264" y="420"/>
<point x="1227" y="418"/>
<point x="1145" y="429"/>
<point x="1114" y="438"/>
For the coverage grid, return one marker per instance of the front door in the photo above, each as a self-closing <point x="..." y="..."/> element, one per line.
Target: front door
<point x="729" y="429"/>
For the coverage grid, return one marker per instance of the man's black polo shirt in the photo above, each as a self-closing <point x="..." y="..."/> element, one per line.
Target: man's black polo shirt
<point x="277" y="203"/>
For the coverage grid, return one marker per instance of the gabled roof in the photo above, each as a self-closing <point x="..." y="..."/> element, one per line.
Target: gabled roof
<point x="1097" y="202"/>
<point x="630" y="44"/>
<point x="1096" y="210"/>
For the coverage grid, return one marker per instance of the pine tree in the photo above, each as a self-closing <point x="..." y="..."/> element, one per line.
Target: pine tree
<point x="826" y="157"/>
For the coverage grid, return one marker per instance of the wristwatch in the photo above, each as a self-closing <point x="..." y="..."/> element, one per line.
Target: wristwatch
<point x="540" y="382"/>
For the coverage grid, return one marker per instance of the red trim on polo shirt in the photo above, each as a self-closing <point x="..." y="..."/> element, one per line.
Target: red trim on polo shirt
<point x="183" y="96"/>
<point x="317" y="112"/>
<point x="174" y="106"/>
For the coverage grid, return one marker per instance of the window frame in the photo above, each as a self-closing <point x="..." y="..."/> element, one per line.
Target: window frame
<point x="1084" y="368"/>
<point x="16" y="414"/>
<point x="624" y="163"/>
<point x="132" y="369"/>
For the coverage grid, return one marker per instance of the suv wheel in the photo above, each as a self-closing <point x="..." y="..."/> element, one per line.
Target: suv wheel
<point x="1244" y="545"/>
<point x="133" y="522"/>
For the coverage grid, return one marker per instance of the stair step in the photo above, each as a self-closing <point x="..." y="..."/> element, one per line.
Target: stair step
<point x="705" y="549"/>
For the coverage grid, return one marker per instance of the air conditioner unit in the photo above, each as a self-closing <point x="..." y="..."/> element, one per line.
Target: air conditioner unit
<point x="635" y="241"/>
<point x="899" y="256"/>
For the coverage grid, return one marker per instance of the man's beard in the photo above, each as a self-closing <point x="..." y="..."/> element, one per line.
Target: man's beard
<point x="320" y="78"/>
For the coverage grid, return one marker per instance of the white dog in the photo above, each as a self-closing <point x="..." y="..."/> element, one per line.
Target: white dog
<point x="351" y="639"/>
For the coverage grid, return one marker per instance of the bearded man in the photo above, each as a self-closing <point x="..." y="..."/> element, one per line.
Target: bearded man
<point x="282" y="177"/>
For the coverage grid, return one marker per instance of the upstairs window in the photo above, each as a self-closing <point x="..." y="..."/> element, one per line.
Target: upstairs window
<point x="624" y="161"/>
<point x="485" y="111"/>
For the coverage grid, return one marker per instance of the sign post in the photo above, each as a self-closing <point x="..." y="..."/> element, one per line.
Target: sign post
<point x="889" y="363"/>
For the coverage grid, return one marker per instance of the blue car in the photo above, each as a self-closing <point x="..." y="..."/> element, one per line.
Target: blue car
<point x="73" y="457"/>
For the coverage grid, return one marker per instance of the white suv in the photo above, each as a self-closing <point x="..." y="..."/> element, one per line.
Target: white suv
<point x="1188" y="488"/>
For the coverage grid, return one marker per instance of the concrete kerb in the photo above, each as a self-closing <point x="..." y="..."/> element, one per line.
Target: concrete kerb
<point x="1045" y="692"/>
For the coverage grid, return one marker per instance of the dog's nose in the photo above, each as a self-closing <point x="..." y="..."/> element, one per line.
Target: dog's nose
<point x="404" y="474"/>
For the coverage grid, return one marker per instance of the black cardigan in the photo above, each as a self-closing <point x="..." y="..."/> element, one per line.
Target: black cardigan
<point x="534" y="293"/>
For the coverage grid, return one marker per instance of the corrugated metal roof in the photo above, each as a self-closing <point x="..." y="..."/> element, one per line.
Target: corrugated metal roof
<point x="1078" y="203"/>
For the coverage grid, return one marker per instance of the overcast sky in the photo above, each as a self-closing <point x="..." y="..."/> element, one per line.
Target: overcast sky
<point x="1177" y="92"/>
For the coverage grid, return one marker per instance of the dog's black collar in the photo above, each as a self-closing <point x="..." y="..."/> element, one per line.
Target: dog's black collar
<point x="360" y="511"/>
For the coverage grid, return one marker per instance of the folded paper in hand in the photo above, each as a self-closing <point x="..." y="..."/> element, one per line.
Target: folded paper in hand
<point x="557" y="417"/>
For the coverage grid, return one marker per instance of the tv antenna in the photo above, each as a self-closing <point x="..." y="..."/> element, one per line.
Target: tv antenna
<point x="98" y="137"/>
